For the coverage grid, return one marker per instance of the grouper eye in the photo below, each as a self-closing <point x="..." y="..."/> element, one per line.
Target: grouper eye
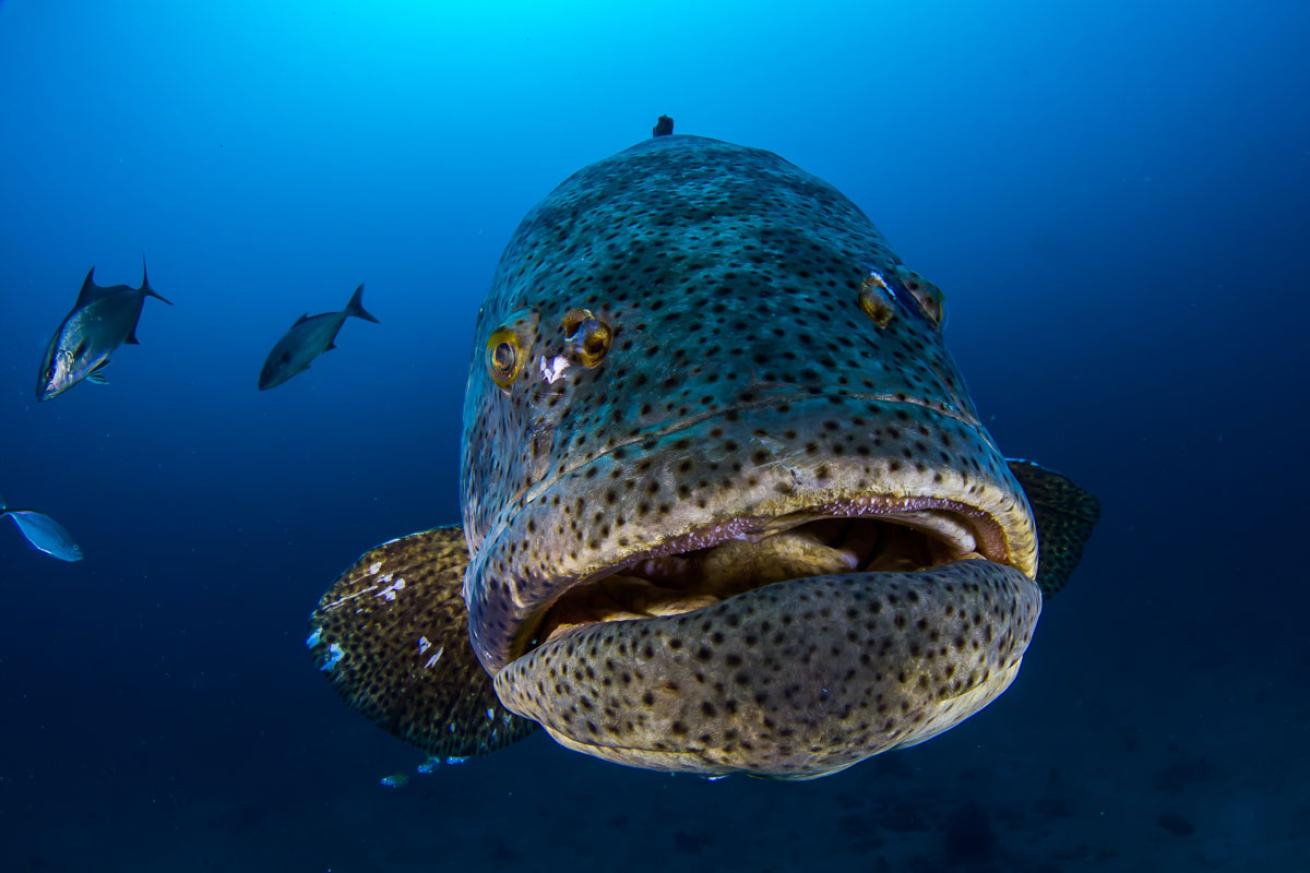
<point x="504" y="357"/>
<point x="589" y="337"/>
<point x="929" y="297"/>
<point x="876" y="299"/>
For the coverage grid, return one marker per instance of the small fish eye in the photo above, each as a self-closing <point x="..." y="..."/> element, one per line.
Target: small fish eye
<point x="504" y="357"/>
<point x="589" y="338"/>
<point x="876" y="299"/>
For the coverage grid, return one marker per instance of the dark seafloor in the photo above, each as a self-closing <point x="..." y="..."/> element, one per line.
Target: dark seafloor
<point x="1114" y="197"/>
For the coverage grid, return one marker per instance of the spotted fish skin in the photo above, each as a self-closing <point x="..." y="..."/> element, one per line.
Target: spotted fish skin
<point x="391" y="636"/>
<point x="745" y="387"/>
<point x="743" y="380"/>
<point x="837" y="716"/>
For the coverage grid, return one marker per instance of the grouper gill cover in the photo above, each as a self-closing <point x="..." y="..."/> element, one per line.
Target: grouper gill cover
<point x="728" y="506"/>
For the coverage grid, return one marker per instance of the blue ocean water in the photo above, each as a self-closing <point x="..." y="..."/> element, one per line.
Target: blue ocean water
<point x="1114" y="197"/>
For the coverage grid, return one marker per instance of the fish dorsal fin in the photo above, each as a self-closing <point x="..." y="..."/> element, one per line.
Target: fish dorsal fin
<point x="392" y="636"/>
<point x="1065" y="516"/>
<point x="301" y="320"/>
<point x="90" y="290"/>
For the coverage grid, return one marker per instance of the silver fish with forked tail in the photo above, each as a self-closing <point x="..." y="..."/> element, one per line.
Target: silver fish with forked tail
<point x="727" y="504"/>
<point x="102" y="319"/>
<point x="309" y="337"/>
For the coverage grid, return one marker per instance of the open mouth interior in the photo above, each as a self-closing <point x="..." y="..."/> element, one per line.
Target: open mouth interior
<point x="794" y="547"/>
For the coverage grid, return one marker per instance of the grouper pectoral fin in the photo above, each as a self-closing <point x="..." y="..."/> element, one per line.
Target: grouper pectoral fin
<point x="392" y="636"/>
<point x="1065" y="516"/>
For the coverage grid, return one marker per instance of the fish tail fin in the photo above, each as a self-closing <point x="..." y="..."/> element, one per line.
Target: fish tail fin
<point x="356" y="306"/>
<point x="145" y="283"/>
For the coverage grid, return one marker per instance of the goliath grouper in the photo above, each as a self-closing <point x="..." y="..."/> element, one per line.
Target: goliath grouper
<point x="727" y="506"/>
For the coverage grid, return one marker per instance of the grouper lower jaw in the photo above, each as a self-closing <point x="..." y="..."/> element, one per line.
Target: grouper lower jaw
<point x="794" y="680"/>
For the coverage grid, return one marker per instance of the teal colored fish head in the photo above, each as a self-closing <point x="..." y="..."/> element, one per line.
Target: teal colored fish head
<point x="728" y="503"/>
<point x="279" y="366"/>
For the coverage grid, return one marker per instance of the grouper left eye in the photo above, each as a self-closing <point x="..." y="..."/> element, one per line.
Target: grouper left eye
<point x="504" y="357"/>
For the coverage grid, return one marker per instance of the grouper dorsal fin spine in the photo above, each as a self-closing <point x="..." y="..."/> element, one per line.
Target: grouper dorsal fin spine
<point x="392" y="635"/>
<point x="1065" y="515"/>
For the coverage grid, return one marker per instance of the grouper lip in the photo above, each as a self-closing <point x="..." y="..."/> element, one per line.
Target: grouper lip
<point x="987" y="542"/>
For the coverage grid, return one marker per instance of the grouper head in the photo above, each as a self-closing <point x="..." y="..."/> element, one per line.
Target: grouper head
<point x="728" y="504"/>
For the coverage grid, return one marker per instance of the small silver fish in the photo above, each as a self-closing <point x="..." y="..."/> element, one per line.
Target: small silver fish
<point x="309" y="337"/>
<point x="103" y="319"/>
<point x="44" y="533"/>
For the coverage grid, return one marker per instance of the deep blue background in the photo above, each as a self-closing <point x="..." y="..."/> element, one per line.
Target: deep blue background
<point x="1115" y="198"/>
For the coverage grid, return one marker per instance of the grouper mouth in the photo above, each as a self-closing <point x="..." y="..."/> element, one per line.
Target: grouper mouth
<point x="711" y="565"/>
<point x="791" y="647"/>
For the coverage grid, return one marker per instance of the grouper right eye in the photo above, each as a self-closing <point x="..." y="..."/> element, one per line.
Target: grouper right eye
<point x="588" y="336"/>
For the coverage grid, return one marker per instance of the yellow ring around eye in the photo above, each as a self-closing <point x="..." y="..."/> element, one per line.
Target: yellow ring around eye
<point x="589" y="338"/>
<point x="504" y="357"/>
<point x="874" y="300"/>
<point x="572" y="319"/>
